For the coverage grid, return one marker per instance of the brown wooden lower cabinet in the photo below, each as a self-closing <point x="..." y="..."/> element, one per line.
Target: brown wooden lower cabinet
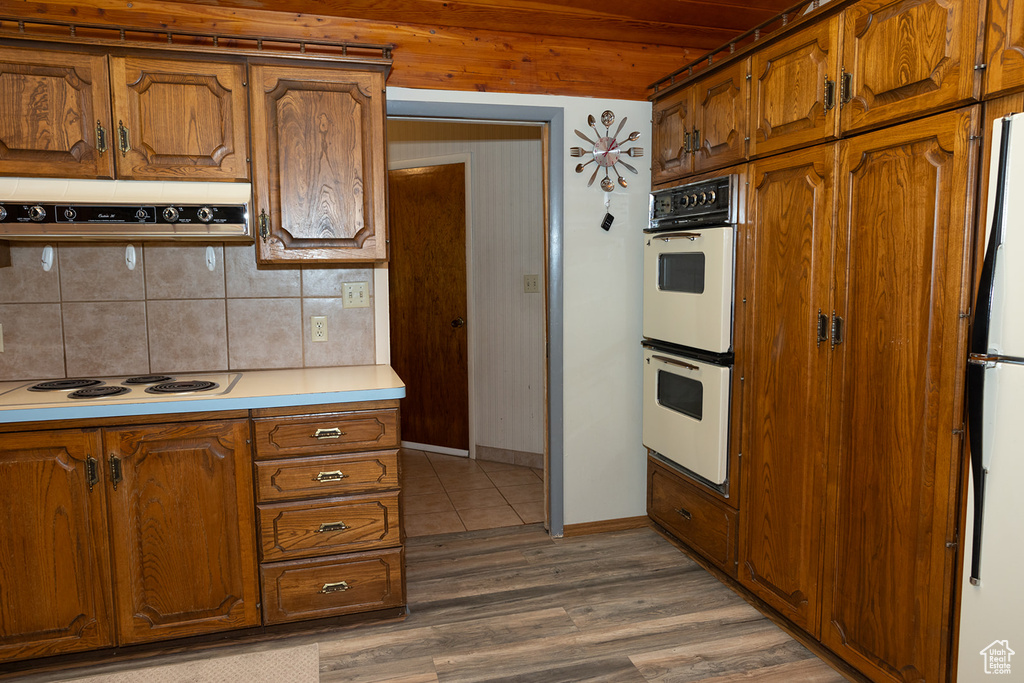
<point x="695" y="518"/>
<point x="116" y="535"/>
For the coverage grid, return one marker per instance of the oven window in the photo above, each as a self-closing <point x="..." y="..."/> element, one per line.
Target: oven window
<point x="681" y="394"/>
<point x="681" y="273"/>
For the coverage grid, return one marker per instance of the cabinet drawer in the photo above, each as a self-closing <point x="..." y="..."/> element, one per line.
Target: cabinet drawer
<point x="696" y="519"/>
<point x="329" y="586"/>
<point x="364" y="430"/>
<point x="324" y="527"/>
<point x="331" y="475"/>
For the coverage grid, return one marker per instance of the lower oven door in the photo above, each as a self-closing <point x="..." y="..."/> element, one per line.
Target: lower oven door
<point x="688" y="287"/>
<point x="686" y="412"/>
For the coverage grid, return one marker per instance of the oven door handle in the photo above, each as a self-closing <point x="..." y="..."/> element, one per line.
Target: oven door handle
<point x="673" y="361"/>
<point x="679" y="235"/>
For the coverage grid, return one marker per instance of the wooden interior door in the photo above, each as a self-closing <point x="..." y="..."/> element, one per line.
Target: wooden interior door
<point x="427" y="274"/>
<point x="54" y="559"/>
<point x="897" y="387"/>
<point x="182" y="530"/>
<point x="785" y="411"/>
<point x="183" y="119"/>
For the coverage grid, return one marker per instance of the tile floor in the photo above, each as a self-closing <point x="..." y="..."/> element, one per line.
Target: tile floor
<point x="446" y="494"/>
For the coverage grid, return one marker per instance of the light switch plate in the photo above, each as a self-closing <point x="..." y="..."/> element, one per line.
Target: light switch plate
<point x="531" y="284"/>
<point x="355" y="294"/>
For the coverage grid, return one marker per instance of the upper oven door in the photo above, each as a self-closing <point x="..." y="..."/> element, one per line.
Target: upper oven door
<point x="688" y="287"/>
<point x="686" y="412"/>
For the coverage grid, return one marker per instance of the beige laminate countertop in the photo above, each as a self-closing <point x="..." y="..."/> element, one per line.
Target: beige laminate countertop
<point x="236" y="391"/>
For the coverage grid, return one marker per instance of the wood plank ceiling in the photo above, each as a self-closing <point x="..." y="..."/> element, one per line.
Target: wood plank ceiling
<point x="701" y="24"/>
<point x="587" y="48"/>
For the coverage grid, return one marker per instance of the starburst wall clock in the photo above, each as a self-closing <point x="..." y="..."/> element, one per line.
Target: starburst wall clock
<point x="607" y="151"/>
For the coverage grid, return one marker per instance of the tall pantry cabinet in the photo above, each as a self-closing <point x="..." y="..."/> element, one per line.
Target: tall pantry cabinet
<point x="852" y="397"/>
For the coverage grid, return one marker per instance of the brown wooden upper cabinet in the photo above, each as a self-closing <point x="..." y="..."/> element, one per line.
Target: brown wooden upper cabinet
<point x="672" y="126"/>
<point x="320" y="177"/>
<point x="178" y="119"/>
<point x="720" y="118"/>
<point x="69" y="116"/>
<point x="905" y="58"/>
<point x="1004" y="47"/>
<point x="55" y="119"/>
<point x="794" y="95"/>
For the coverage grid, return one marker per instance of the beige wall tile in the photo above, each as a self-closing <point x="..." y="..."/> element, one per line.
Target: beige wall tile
<point x="105" y="338"/>
<point x="97" y="272"/>
<point x="264" y="333"/>
<point x="187" y="336"/>
<point x="33" y="344"/>
<point x="326" y="281"/>
<point x="244" y="279"/>
<point x="180" y="272"/>
<point x="349" y="334"/>
<point x="25" y="281"/>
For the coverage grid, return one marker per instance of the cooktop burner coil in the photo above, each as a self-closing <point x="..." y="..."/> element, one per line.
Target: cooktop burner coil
<point x="99" y="391"/>
<point x="181" y="387"/>
<point x="148" y="379"/>
<point x="64" y="384"/>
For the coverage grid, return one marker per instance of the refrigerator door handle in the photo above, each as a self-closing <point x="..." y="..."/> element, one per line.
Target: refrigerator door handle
<point x="979" y="348"/>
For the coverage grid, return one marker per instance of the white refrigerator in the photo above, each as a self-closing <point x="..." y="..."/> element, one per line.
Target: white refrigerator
<point x="992" y="607"/>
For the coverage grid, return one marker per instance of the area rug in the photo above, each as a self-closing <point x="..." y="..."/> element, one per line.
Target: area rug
<point x="299" y="664"/>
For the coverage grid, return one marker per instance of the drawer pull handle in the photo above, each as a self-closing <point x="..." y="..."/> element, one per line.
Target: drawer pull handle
<point x="332" y="433"/>
<point x="331" y="526"/>
<point x="334" y="587"/>
<point x="336" y="475"/>
<point x="685" y="514"/>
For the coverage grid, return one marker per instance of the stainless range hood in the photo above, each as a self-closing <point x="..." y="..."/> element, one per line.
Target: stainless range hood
<point x="56" y="209"/>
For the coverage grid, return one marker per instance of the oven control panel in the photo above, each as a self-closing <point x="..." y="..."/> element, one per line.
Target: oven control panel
<point x="706" y="203"/>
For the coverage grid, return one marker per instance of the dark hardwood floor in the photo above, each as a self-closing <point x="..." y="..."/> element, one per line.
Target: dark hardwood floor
<point x="512" y="604"/>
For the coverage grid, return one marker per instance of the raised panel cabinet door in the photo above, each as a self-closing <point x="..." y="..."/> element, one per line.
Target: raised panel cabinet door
<point x="182" y="530"/>
<point x="54" y="561"/>
<point x="1004" y="47"/>
<point x="794" y="95"/>
<point x="318" y="164"/>
<point x="179" y="119"/>
<point x="785" y="406"/>
<point x="904" y="58"/>
<point x="720" y="118"/>
<point x="54" y="114"/>
<point x="897" y="384"/>
<point x="672" y="124"/>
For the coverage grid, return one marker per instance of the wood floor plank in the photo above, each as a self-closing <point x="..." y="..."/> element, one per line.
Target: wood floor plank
<point x="412" y="670"/>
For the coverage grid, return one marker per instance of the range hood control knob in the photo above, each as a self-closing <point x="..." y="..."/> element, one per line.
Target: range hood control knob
<point x="685" y="201"/>
<point x="712" y="196"/>
<point x="205" y="214"/>
<point x="36" y="213"/>
<point x="170" y="214"/>
<point x="703" y="198"/>
<point x="3" y="213"/>
<point x="693" y="200"/>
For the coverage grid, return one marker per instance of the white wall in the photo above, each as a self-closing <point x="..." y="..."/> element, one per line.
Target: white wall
<point x="505" y="238"/>
<point x="604" y="459"/>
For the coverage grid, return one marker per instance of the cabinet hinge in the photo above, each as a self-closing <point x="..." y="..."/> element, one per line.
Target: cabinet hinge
<point x="822" y="331"/>
<point x="264" y="229"/>
<point x="115" y="470"/>
<point x="959" y="432"/>
<point x="966" y="314"/>
<point x="952" y="544"/>
<point x="101" y="138"/>
<point x="829" y="95"/>
<point x="124" y="143"/>
<point x="749" y="76"/>
<point x="980" y="67"/>
<point x="92" y="472"/>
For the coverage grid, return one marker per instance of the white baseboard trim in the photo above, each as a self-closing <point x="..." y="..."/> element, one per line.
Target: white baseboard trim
<point x="435" y="449"/>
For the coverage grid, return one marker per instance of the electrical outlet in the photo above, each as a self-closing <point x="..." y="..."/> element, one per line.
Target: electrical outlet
<point x="531" y="284"/>
<point x="355" y="294"/>
<point x="318" y="327"/>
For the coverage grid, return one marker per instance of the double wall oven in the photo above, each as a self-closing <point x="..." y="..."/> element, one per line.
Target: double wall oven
<point x="689" y="264"/>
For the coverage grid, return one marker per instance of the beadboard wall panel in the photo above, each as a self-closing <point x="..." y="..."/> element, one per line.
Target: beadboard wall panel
<point x="506" y="237"/>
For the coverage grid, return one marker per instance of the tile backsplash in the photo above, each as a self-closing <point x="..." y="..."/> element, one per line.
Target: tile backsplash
<point x="90" y="315"/>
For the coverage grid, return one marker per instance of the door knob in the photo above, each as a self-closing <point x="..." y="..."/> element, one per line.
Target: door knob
<point x="458" y="322"/>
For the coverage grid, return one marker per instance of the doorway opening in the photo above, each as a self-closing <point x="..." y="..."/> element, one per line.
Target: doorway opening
<point x="468" y="317"/>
